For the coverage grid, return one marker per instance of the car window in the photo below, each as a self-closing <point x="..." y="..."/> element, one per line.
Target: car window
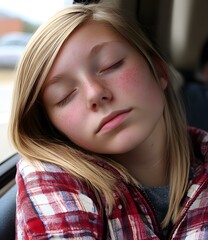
<point x="15" y="39"/>
<point x="18" y="21"/>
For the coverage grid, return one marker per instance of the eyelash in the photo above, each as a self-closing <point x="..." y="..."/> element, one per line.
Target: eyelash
<point x="113" y="66"/>
<point x="65" y="100"/>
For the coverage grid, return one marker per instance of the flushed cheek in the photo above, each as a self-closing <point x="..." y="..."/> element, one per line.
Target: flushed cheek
<point x="125" y="78"/>
<point x="140" y="87"/>
<point x="131" y="80"/>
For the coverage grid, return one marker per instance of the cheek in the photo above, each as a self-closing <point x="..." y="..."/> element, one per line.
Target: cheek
<point x="139" y="83"/>
<point x="67" y="121"/>
<point x="127" y="80"/>
<point x="136" y="80"/>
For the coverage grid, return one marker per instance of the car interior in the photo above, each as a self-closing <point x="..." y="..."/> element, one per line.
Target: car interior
<point x="178" y="29"/>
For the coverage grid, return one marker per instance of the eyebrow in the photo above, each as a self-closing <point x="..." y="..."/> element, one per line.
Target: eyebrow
<point x="97" y="48"/>
<point x="49" y="82"/>
<point x="55" y="79"/>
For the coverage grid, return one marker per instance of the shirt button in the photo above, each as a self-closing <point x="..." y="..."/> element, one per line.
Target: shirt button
<point x="120" y="206"/>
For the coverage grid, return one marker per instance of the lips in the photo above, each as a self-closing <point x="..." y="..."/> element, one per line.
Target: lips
<point x="112" y="120"/>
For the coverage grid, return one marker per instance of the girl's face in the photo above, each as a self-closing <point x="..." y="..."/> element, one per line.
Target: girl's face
<point x="101" y="93"/>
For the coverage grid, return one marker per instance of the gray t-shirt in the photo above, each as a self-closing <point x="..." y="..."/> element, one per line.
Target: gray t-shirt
<point x="159" y="197"/>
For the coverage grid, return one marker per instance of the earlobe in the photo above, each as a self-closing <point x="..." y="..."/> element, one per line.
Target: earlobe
<point x="161" y="71"/>
<point x="164" y="82"/>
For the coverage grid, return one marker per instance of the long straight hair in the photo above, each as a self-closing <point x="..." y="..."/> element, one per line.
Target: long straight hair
<point x="36" y="138"/>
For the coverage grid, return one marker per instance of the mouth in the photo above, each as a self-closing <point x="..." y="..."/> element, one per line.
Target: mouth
<point x="113" y="120"/>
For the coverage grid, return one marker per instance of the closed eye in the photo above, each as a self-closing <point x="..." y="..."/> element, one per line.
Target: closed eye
<point x="66" y="99"/>
<point x="113" y="66"/>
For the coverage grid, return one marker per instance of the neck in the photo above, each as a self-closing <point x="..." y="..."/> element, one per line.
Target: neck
<point x="147" y="162"/>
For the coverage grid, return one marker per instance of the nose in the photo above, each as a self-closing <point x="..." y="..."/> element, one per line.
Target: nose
<point x="97" y="95"/>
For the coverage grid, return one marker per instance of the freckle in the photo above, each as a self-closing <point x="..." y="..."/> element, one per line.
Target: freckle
<point x="126" y="79"/>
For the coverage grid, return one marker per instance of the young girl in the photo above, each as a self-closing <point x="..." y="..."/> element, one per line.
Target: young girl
<point x="105" y="149"/>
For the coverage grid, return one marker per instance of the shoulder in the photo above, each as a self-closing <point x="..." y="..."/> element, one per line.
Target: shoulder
<point x="199" y="164"/>
<point x="199" y="141"/>
<point x="48" y="178"/>
<point x="46" y="175"/>
<point x="51" y="200"/>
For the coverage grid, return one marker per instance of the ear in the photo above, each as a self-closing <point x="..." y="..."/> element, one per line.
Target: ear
<point x="161" y="71"/>
<point x="164" y="82"/>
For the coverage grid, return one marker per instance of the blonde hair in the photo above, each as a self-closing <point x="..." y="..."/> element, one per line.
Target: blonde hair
<point x="35" y="137"/>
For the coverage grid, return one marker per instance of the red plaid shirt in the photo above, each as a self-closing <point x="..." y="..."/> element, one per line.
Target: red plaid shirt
<point x="51" y="204"/>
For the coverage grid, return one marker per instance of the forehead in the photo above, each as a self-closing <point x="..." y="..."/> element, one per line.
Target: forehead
<point x="92" y="33"/>
<point x="85" y="41"/>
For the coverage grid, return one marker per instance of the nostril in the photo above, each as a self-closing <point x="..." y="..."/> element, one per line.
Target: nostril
<point x="94" y="105"/>
<point x="104" y="98"/>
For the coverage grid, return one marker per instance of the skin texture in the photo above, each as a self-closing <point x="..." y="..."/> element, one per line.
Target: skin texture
<point x="102" y="95"/>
